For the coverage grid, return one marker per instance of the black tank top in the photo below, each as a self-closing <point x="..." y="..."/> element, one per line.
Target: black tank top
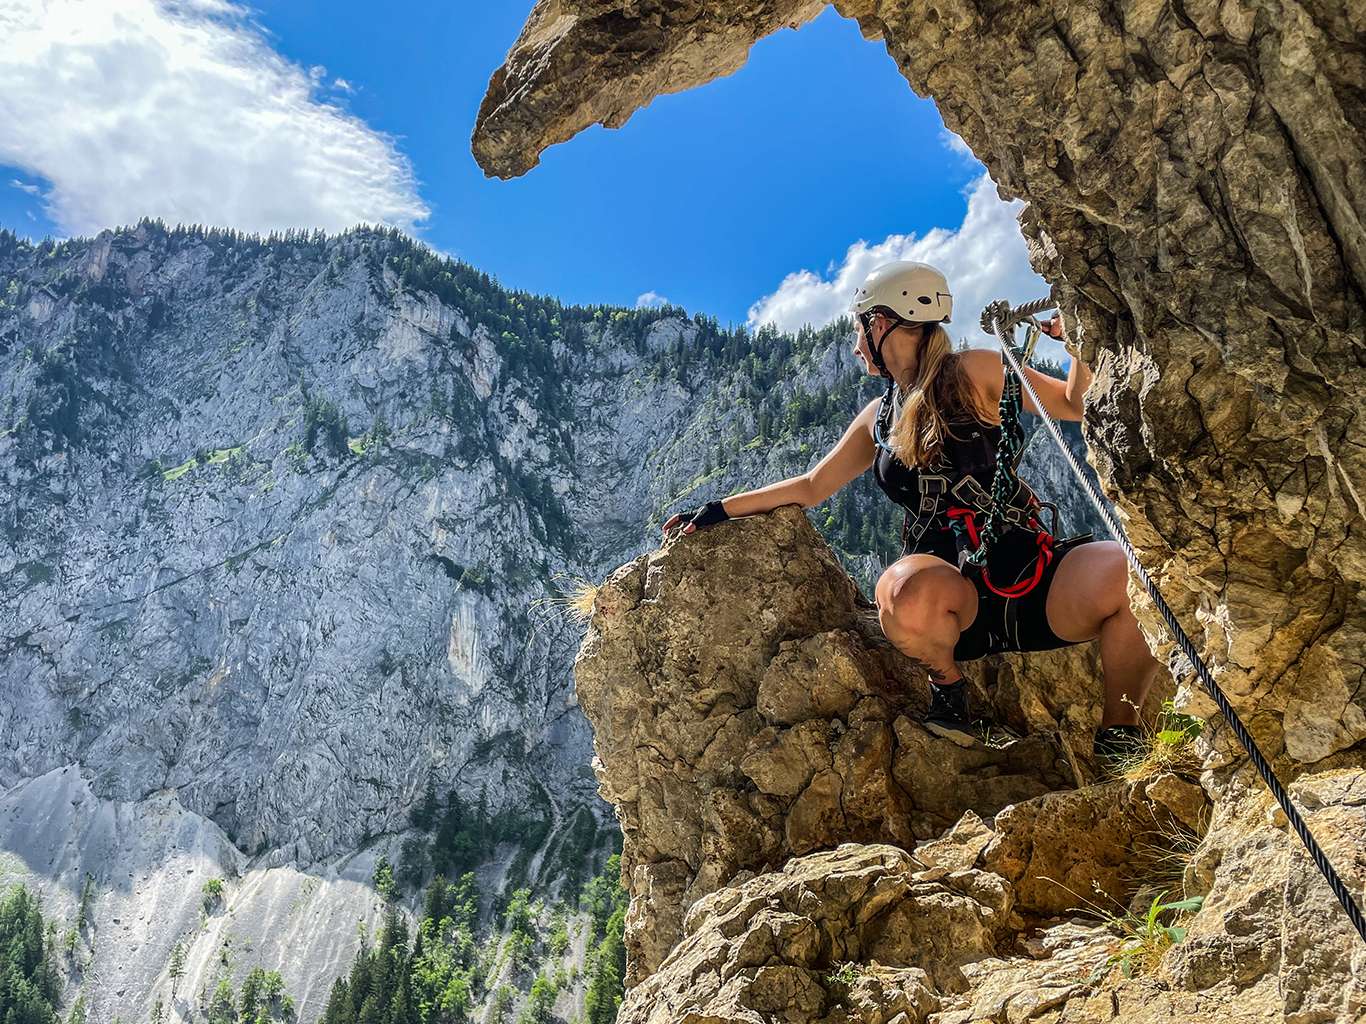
<point x="968" y="451"/>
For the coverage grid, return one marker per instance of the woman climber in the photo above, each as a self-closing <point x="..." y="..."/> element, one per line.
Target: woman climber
<point x="931" y="442"/>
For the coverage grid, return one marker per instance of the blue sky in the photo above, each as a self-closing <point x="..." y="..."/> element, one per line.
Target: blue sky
<point x="761" y="195"/>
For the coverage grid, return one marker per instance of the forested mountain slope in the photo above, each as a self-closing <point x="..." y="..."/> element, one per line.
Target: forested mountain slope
<point x="286" y="529"/>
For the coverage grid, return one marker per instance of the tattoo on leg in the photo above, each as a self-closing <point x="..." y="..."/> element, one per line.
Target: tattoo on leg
<point x="934" y="674"/>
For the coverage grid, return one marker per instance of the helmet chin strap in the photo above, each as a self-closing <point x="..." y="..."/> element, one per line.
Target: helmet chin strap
<point x="875" y="348"/>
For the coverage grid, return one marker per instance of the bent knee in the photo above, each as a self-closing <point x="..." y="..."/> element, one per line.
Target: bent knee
<point x="1091" y="584"/>
<point x="916" y="598"/>
<point x="1111" y="572"/>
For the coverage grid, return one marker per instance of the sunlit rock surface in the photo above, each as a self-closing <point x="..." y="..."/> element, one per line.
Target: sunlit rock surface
<point x="746" y="709"/>
<point x="749" y="720"/>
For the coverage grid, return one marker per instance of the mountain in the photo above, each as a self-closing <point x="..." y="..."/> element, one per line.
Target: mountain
<point x="288" y="529"/>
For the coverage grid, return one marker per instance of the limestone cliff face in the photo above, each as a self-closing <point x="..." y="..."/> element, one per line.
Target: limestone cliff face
<point x="1198" y="190"/>
<point x="799" y="849"/>
<point x="278" y="537"/>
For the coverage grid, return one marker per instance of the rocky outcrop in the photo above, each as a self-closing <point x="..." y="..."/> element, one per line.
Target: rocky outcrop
<point x="1198" y="200"/>
<point x="1271" y="932"/>
<point x="749" y="721"/>
<point x="746" y="709"/>
<point x="766" y="950"/>
<point x="133" y="872"/>
<point x="1195" y="174"/>
<point x="1068" y="851"/>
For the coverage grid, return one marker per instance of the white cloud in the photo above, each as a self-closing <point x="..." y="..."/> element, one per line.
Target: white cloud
<point x="984" y="260"/>
<point x="955" y="144"/>
<point x="30" y="189"/>
<point x="132" y="108"/>
<point x="652" y="300"/>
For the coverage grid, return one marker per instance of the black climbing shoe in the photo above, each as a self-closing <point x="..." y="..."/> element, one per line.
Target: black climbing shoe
<point x="1120" y="747"/>
<point x="948" y="714"/>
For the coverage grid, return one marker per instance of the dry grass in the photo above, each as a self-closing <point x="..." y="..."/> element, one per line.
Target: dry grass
<point x="574" y="601"/>
<point x="1165" y="853"/>
<point x="578" y="596"/>
<point x="1170" y="748"/>
<point x="1178" y="758"/>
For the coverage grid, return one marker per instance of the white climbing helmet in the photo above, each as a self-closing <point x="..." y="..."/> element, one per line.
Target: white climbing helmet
<point x="914" y="291"/>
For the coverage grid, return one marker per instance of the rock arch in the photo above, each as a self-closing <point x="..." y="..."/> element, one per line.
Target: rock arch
<point x="1197" y="195"/>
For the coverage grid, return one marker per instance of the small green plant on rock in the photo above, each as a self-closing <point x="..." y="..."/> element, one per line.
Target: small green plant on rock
<point x="213" y="894"/>
<point x="1146" y="938"/>
<point x="1176" y="727"/>
<point x="1170" y="747"/>
<point x="846" y="974"/>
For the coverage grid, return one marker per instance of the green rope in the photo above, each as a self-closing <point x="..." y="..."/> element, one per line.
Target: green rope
<point x="1005" y="485"/>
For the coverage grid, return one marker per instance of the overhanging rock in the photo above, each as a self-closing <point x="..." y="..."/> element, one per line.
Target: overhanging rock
<point x="1197" y="181"/>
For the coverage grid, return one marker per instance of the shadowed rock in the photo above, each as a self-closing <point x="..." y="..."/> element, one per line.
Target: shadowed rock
<point x="579" y="64"/>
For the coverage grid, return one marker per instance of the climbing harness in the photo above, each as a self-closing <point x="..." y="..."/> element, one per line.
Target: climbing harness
<point x="965" y="519"/>
<point x="999" y="318"/>
<point x="1011" y="503"/>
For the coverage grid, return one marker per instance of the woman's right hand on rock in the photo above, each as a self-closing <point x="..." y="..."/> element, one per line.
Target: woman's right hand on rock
<point x="710" y="514"/>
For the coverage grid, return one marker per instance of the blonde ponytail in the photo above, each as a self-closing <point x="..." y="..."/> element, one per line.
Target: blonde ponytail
<point x="940" y="391"/>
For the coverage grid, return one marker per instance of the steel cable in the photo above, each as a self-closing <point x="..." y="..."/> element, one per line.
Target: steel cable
<point x="992" y="316"/>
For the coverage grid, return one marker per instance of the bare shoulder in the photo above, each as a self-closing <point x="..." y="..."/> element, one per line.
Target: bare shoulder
<point x="983" y="365"/>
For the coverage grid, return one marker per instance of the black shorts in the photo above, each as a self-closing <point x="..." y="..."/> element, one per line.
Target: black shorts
<point x="1013" y="623"/>
<point x="1006" y="624"/>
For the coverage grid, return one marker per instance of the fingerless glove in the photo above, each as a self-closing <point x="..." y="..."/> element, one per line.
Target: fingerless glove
<point x="710" y="514"/>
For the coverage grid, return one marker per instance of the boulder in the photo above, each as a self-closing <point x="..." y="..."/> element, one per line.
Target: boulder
<point x="772" y="949"/>
<point x="1090" y="850"/>
<point x="747" y="709"/>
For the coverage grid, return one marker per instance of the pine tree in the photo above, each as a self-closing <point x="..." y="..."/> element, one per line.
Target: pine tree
<point x="177" y="967"/>
<point x="29" y="987"/>
<point x="221" y="1008"/>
